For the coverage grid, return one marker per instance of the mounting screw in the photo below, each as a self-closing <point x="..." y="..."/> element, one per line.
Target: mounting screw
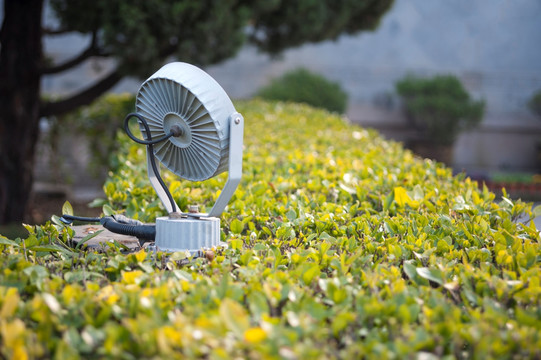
<point x="193" y="209"/>
<point x="177" y="131"/>
<point x="237" y="120"/>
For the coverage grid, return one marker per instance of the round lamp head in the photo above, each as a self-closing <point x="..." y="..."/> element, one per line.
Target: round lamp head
<point x="186" y="98"/>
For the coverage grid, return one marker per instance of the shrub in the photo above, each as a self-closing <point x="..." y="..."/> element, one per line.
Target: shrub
<point x="99" y="123"/>
<point x="341" y="245"/>
<point x="303" y="86"/>
<point x="535" y="103"/>
<point x="439" y="107"/>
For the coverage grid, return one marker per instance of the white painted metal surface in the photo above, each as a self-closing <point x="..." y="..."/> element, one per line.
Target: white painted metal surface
<point x="187" y="234"/>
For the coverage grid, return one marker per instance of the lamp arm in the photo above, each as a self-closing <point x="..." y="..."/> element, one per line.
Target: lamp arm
<point x="236" y="134"/>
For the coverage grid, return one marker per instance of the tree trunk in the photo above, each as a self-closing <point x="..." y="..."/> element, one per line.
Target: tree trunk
<point x="20" y="58"/>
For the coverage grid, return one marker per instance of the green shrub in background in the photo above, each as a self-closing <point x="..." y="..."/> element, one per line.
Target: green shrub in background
<point x="535" y="103"/>
<point x="99" y="123"/>
<point x="303" y="86"/>
<point x="340" y="245"/>
<point x="439" y="107"/>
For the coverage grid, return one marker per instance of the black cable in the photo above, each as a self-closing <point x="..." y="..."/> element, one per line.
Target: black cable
<point x="147" y="131"/>
<point x="119" y="224"/>
<point x="149" y="143"/>
<point x="68" y="219"/>
<point x="141" y="231"/>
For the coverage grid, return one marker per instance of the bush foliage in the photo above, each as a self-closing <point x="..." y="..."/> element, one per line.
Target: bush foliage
<point x="98" y="123"/>
<point x="439" y="107"/>
<point x="535" y="103"/>
<point x="303" y="86"/>
<point x="340" y="245"/>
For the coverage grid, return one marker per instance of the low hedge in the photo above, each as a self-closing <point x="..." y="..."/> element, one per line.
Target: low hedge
<point x="303" y="86"/>
<point x="341" y="245"/>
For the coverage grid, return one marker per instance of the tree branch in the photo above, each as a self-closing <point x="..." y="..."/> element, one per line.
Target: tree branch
<point x="91" y="50"/>
<point x="51" y="31"/>
<point x="82" y="98"/>
<point x="88" y="53"/>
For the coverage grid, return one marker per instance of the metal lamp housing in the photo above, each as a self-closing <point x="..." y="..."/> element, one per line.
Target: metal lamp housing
<point x="210" y="142"/>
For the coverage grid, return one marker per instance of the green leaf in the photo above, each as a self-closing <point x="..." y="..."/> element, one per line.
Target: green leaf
<point x="55" y="219"/>
<point x="39" y="270"/>
<point x="234" y="316"/>
<point x="97" y="203"/>
<point x="310" y="274"/>
<point x="348" y="189"/>
<point x="31" y="241"/>
<point x="88" y="237"/>
<point x="117" y="245"/>
<point x="418" y="193"/>
<point x="291" y="215"/>
<point x="6" y="241"/>
<point x="47" y="248"/>
<point x="536" y="211"/>
<point x="81" y="275"/>
<point x="431" y="274"/>
<point x="179" y="255"/>
<point x="236" y="244"/>
<point x="108" y="210"/>
<point x="258" y="304"/>
<point x="388" y="201"/>
<point x="507" y="201"/>
<point x="52" y="303"/>
<point x="411" y="271"/>
<point x="236" y="226"/>
<point x="442" y="245"/>
<point x="67" y="209"/>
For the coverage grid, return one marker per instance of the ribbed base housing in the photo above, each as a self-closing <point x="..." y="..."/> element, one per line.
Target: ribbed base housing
<point x="190" y="234"/>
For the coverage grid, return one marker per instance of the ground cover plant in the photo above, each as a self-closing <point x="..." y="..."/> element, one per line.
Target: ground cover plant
<point x="340" y="245"/>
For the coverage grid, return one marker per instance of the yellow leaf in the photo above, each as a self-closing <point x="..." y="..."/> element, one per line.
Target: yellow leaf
<point x="108" y="295"/>
<point x="69" y="294"/>
<point x="167" y="336"/>
<point x="20" y="352"/>
<point x="92" y="286"/>
<point x="141" y="255"/>
<point x="105" y="292"/>
<point x="255" y="335"/>
<point x="402" y="198"/>
<point x="12" y="333"/>
<point x="11" y="301"/>
<point x="130" y="277"/>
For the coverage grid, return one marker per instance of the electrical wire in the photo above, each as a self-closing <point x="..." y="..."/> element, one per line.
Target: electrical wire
<point x="149" y="143"/>
<point x="68" y="219"/>
<point x="126" y="226"/>
<point x="119" y="224"/>
<point x="147" y="131"/>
